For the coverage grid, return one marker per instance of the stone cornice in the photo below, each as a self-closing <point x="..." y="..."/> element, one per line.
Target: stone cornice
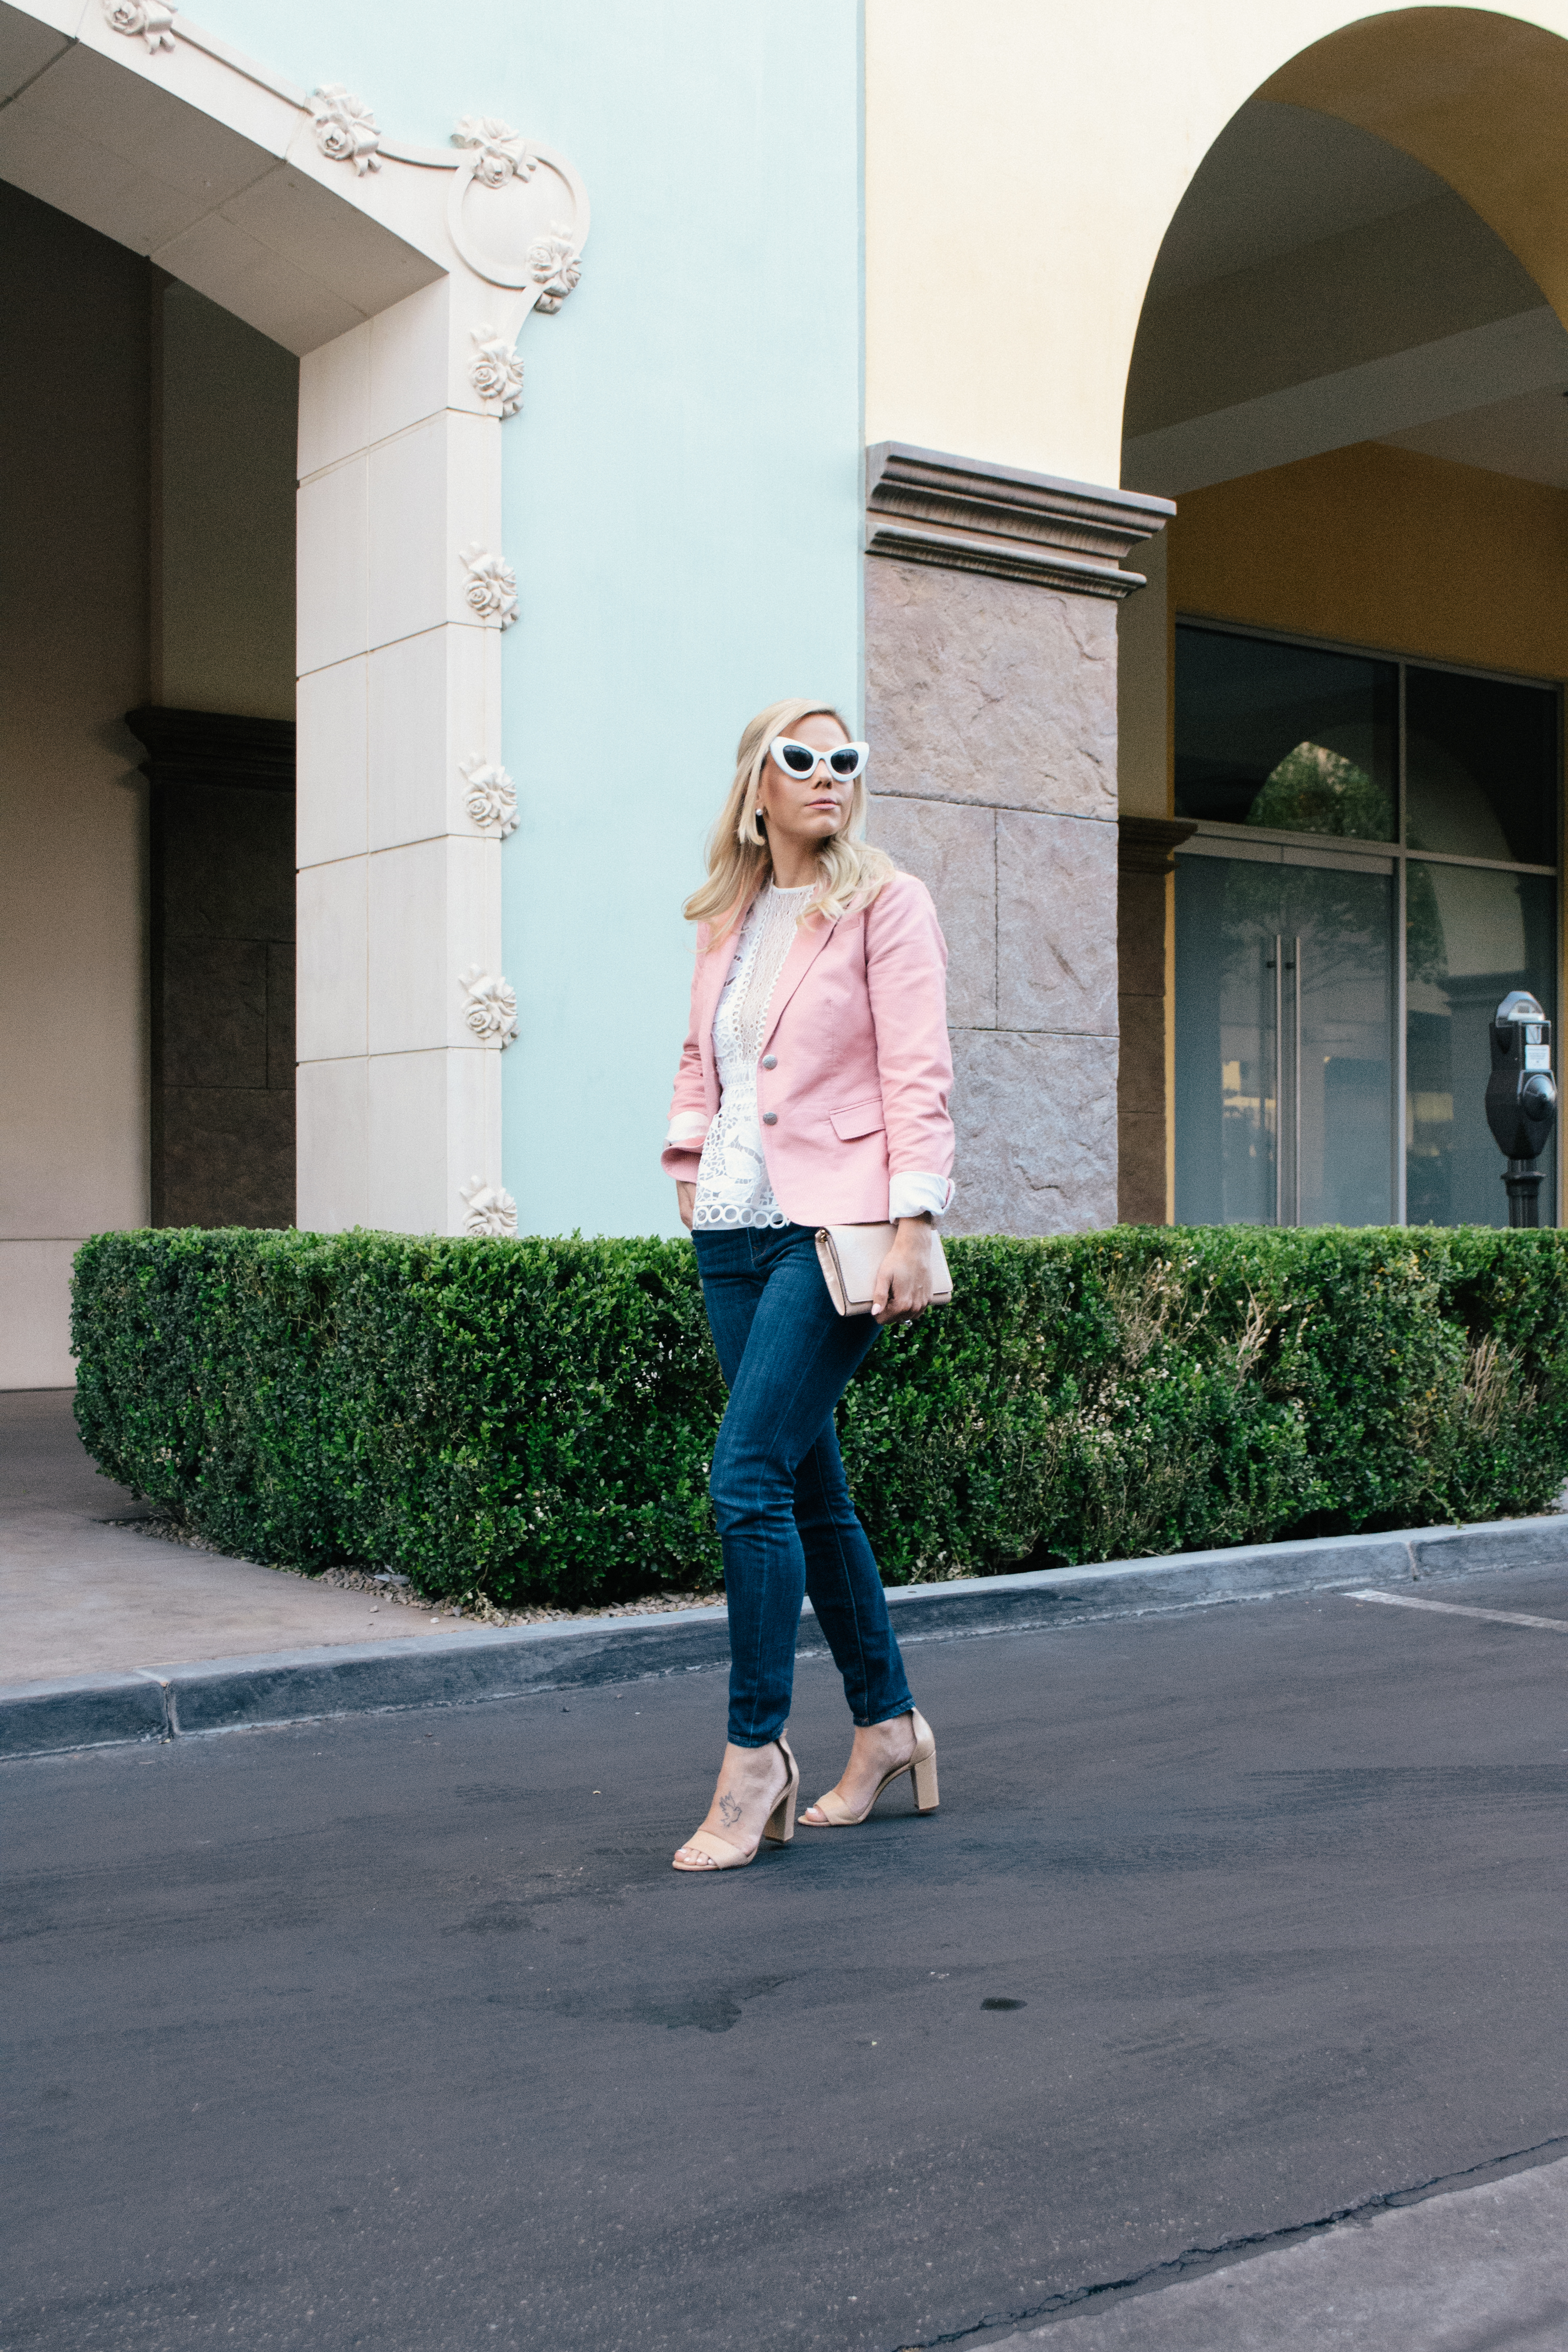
<point x="1148" y="844"/>
<point x="214" y="747"/>
<point x="925" y="507"/>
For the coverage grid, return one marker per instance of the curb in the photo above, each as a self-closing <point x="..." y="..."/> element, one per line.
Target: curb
<point x="215" y="1695"/>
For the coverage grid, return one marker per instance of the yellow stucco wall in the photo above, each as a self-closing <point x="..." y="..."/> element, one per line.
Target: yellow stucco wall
<point x="1024" y="159"/>
<point x="1382" y="547"/>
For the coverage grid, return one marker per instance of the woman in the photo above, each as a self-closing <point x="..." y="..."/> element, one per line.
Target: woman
<point x="811" y="1091"/>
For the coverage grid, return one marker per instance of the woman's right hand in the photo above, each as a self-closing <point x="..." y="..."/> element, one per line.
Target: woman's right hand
<point x="686" y="1194"/>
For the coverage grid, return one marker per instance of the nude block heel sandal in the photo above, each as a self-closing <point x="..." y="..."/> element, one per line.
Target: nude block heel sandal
<point x="921" y="1768"/>
<point x="777" y="1829"/>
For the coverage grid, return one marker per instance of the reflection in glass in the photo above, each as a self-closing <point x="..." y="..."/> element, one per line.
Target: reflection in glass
<point x="1284" y="1061"/>
<point x="1480" y="767"/>
<point x="1287" y="737"/>
<point x="1471" y="936"/>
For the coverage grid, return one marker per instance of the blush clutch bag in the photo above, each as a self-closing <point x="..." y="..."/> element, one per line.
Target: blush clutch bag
<point x="849" y="1256"/>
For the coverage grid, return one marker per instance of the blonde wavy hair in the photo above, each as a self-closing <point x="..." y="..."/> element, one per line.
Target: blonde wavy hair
<point x="739" y="860"/>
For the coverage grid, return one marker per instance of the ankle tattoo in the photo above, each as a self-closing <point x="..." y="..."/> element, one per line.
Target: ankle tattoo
<point x="729" y="1809"/>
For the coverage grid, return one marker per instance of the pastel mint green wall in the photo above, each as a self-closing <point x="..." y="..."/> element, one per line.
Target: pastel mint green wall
<point x="682" y="492"/>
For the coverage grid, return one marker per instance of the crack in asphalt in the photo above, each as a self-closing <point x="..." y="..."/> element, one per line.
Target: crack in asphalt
<point x="1200" y="2257"/>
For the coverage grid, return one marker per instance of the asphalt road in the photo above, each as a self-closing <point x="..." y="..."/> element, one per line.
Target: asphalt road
<point x="400" y="2033"/>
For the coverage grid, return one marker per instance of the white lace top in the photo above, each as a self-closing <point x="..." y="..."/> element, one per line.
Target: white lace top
<point x="733" y="1187"/>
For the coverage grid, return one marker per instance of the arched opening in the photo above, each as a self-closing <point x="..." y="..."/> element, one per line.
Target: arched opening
<point x="174" y="253"/>
<point x="1341" y="693"/>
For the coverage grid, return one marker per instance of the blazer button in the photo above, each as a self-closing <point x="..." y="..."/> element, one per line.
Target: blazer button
<point x="770" y="1061"/>
<point x="770" y="1118"/>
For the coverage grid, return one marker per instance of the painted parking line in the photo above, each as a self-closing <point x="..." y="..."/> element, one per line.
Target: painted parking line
<point x="1454" y="1609"/>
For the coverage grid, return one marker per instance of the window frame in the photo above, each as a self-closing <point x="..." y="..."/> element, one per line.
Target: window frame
<point x="1337" y="848"/>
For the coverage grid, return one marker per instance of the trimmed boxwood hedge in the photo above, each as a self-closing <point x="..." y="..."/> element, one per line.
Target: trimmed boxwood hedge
<point x="533" y="1420"/>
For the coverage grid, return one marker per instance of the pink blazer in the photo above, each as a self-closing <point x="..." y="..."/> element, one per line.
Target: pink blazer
<point x="856" y="1064"/>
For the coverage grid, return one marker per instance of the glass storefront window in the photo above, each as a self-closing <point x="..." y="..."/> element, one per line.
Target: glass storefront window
<point x="1471" y="936"/>
<point x="1297" y="1099"/>
<point x="1480" y="760"/>
<point x="1285" y="737"/>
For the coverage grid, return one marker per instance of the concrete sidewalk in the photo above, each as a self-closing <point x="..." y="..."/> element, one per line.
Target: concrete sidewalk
<point x="84" y="1596"/>
<point x="117" y="1636"/>
<point x="1474" y="2269"/>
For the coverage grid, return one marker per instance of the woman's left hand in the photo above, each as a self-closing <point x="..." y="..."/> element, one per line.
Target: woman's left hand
<point x="902" y="1292"/>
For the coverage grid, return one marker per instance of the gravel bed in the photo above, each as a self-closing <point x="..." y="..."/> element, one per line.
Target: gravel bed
<point x="387" y="1585"/>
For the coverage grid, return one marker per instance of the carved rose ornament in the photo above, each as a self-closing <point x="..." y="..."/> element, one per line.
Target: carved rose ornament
<point x="141" y="17"/>
<point x="495" y="371"/>
<point x="491" y="798"/>
<point x="491" y="1210"/>
<point x="556" y="265"/>
<point x="503" y="153"/>
<point x="491" y="587"/>
<point x="346" y="130"/>
<point x="490" y="1007"/>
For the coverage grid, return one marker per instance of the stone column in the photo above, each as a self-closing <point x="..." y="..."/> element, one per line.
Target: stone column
<point x="991" y="709"/>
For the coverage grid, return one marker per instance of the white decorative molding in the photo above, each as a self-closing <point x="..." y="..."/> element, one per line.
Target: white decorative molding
<point x="491" y="588"/>
<point x="491" y="1213"/>
<point x="490" y="1006"/>
<point x="346" y="130"/>
<point x="555" y="263"/>
<point x="492" y="797"/>
<point x="501" y="153"/>
<point x="495" y="371"/>
<point x="527" y="221"/>
<point x="147" y="19"/>
<point x="142" y="125"/>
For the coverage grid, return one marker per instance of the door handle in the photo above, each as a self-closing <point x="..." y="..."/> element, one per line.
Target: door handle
<point x="1278" y="965"/>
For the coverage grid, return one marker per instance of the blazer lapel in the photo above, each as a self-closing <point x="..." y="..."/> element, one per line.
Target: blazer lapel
<point x="804" y="948"/>
<point x="716" y="969"/>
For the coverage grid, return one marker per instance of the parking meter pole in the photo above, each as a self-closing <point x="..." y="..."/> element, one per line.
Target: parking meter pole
<point x="1523" y="1184"/>
<point x="1521" y="1099"/>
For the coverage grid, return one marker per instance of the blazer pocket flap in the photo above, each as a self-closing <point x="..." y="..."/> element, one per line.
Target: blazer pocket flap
<point x="859" y="1118"/>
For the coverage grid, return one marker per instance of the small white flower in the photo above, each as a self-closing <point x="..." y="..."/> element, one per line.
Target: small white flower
<point x="491" y="1210"/>
<point x="503" y="151"/>
<point x="555" y="265"/>
<point x="146" y="17"/>
<point x="492" y="797"/>
<point x="491" y="587"/>
<point x="496" y="372"/>
<point x="490" y="1008"/>
<point x="346" y="130"/>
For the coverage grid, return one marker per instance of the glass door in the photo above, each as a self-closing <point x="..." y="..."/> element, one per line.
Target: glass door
<point x="1284" y="1049"/>
<point x="1372" y="868"/>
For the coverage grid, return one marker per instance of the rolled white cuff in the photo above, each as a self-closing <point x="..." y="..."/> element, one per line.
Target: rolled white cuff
<point x="686" y="1127"/>
<point x="918" y="1196"/>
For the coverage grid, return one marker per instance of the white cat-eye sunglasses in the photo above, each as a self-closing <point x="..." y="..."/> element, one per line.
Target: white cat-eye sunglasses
<point x="845" y="761"/>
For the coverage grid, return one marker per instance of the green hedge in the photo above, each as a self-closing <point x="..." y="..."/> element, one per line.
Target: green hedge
<point x="533" y="1419"/>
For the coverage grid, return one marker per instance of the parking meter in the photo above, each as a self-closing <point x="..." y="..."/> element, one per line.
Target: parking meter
<point x="1522" y="1099"/>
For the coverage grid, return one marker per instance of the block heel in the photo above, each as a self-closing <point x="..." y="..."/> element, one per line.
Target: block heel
<point x="923" y="1772"/>
<point x="921" y="1768"/>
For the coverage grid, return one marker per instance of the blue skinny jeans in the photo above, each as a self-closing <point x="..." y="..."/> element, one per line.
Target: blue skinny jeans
<point x="787" y="1524"/>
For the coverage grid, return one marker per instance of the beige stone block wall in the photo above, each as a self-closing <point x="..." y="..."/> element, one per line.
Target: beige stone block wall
<point x="991" y="712"/>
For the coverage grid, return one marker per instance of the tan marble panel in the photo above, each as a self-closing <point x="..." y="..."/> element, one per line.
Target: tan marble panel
<point x="1036" y="1118"/>
<point x="991" y="691"/>
<point x="1055" y="923"/>
<point x="953" y="851"/>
